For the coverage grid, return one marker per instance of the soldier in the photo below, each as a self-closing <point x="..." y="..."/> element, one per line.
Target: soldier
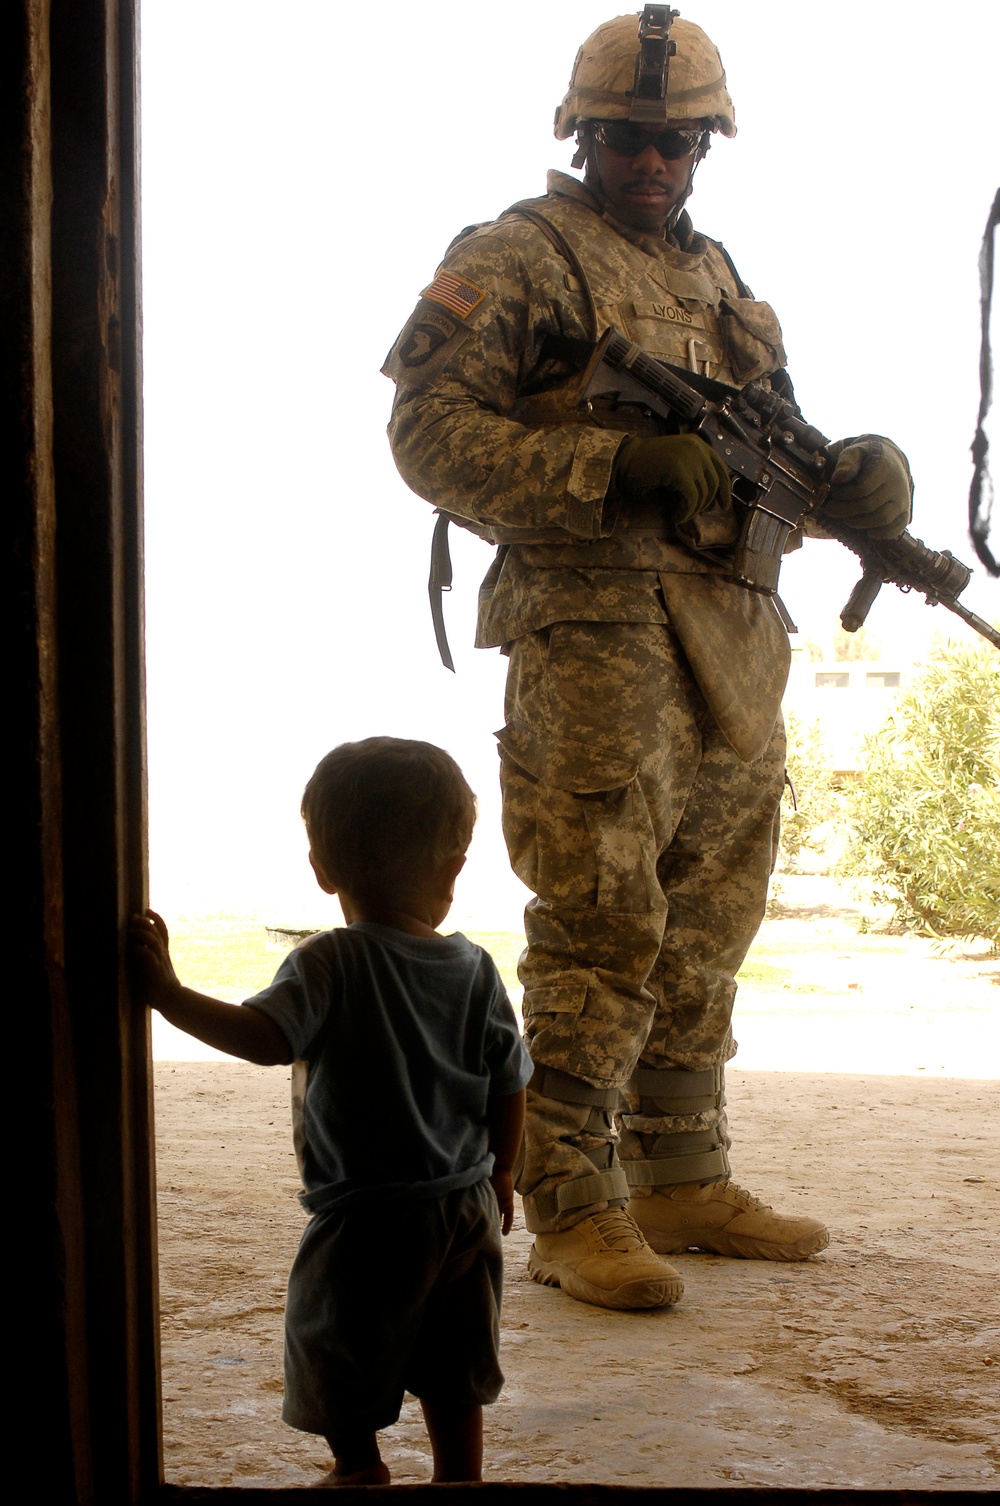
<point x="642" y="760"/>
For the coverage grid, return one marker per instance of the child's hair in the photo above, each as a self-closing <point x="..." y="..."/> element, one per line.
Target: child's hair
<point x="384" y="813"/>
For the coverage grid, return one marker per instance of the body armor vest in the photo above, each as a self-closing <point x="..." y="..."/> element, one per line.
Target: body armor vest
<point x="686" y="308"/>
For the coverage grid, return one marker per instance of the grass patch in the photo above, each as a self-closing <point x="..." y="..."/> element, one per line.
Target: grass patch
<point x="764" y="974"/>
<point x="231" y="958"/>
<point x="225" y="957"/>
<point x="505" y="947"/>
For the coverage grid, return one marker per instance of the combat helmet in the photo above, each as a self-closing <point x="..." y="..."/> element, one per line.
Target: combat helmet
<point x="649" y="68"/>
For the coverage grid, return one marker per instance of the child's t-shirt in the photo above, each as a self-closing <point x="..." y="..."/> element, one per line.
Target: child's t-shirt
<point x="400" y="1039"/>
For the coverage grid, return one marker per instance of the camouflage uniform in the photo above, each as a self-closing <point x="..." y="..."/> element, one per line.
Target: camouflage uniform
<point x="643" y="753"/>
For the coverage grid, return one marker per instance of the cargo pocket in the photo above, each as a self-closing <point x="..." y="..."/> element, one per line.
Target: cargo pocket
<point x="565" y="998"/>
<point x="579" y="824"/>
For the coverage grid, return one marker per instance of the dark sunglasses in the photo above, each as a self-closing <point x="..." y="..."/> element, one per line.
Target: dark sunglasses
<point x="629" y="139"/>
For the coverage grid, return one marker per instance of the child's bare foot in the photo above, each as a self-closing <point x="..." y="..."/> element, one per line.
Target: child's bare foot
<point x="373" y="1474"/>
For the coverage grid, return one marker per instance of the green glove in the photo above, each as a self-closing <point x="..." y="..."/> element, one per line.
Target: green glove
<point x="870" y="486"/>
<point x="679" y="470"/>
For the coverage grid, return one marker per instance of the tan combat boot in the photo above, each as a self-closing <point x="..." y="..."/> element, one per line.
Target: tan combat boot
<point x="726" y="1220"/>
<point x="605" y="1260"/>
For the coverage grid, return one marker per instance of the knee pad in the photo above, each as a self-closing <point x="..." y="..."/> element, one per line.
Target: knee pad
<point x="677" y="1156"/>
<point x="586" y="1112"/>
<point x="602" y="1103"/>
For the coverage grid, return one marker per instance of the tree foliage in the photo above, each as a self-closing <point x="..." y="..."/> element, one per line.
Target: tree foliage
<point x="926" y="817"/>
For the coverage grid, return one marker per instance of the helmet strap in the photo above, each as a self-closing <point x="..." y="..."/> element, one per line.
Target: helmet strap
<point x="678" y="208"/>
<point x="586" y="157"/>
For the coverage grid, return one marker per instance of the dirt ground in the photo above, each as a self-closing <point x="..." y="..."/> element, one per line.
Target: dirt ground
<point x="872" y="1365"/>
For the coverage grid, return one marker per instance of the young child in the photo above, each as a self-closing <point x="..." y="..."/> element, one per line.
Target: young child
<point x="408" y="1102"/>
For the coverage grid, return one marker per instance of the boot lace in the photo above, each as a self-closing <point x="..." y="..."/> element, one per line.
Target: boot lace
<point x="745" y="1199"/>
<point x="619" y="1231"/>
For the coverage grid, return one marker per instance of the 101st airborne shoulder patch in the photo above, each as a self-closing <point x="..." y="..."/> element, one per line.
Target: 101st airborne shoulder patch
<point x="424" y="336"/>
<point x="455" y="293"/>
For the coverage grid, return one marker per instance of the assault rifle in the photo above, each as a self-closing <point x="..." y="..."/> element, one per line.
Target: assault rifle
<point x="780" y="465"/>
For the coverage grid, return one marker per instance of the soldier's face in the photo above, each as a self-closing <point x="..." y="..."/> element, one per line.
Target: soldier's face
<point x="641" y="191"/>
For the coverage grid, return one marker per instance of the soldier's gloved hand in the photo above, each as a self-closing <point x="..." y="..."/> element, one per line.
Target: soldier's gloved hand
<point x="870" y="486"/>
<point x="678" y="470"/>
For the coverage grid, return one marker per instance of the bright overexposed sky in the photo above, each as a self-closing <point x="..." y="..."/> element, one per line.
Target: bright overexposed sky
<point x="304" y="168"/>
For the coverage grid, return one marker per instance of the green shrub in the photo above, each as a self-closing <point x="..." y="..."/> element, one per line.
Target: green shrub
<point x="926" y="817"/>
<point x="813" y="821"/>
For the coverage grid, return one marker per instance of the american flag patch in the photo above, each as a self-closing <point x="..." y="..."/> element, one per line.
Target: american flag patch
<point x="455" y="293"/>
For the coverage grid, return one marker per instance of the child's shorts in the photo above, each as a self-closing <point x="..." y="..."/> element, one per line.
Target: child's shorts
<point x="391" y="1297"/>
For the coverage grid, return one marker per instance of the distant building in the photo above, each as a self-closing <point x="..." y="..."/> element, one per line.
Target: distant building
<point x="849" y="701"/>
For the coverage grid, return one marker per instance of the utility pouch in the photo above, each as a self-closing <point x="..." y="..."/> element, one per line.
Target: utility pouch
<point x="752" y="337"/>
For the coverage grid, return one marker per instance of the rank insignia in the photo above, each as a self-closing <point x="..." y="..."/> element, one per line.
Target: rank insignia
<point x="455" y="293"/>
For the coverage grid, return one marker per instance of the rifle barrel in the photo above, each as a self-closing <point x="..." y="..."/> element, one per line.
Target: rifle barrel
<point x="980" y="624"/>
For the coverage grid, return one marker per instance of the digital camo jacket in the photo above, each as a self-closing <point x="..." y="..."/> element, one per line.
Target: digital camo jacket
<point x="486" y="425"/>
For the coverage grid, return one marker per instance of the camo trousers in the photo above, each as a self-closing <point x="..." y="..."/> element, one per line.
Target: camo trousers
<point x="649" y="847"/>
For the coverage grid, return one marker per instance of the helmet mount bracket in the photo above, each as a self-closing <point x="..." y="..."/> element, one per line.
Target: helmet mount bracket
<point x="652" y="66"/>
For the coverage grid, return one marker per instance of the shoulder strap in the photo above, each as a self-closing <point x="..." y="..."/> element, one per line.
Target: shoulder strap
<point x="438" y="582"/>
<point x="440" y="577"/>
<point x="741" y="286"/>
<point x="557" y="239"/>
